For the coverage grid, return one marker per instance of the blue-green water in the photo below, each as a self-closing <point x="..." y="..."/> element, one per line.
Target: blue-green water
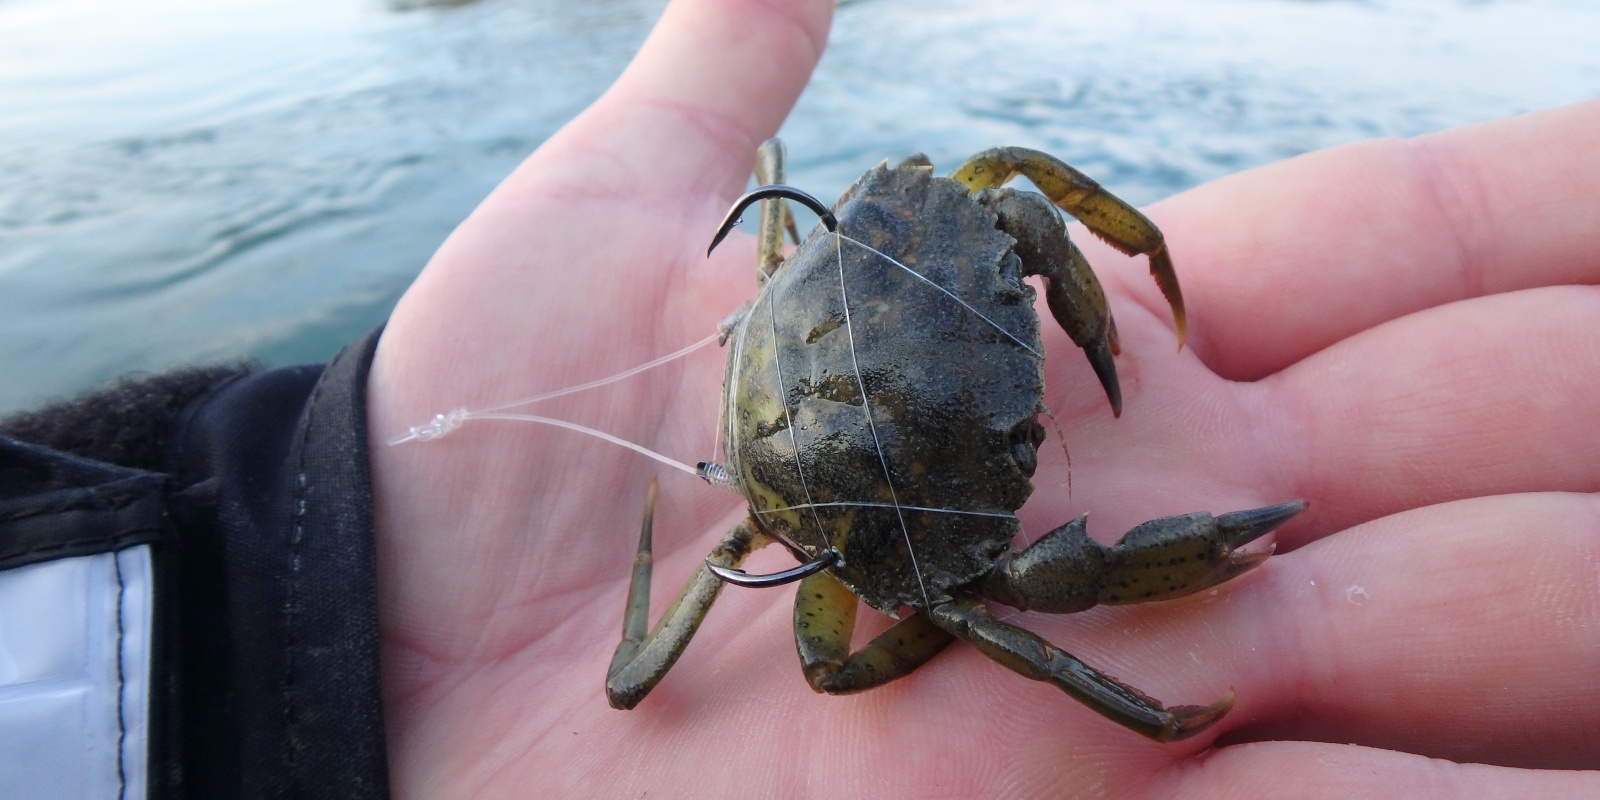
<point x="186" y="180"/>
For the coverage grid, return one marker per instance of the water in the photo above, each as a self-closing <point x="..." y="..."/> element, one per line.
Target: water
<point x="184" y="180"/>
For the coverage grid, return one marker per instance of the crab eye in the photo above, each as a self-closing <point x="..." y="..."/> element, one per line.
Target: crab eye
<point x="1026" y="458"/>
<point x="1025" y="439"/>
<point x="1011" y="279"/>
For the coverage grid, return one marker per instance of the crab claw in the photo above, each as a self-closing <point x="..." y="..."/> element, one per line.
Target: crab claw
<point x="762" y="193"/>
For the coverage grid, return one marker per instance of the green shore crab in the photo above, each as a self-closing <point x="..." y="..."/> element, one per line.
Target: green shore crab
<point x="880" y="418"/>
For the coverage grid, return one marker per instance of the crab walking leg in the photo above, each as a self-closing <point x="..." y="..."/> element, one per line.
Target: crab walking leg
<point x="1071" y="288"/>
<point x="824" y="618"/>
<point x="641" y="660"/>
<point x="774" y="215"/>
<point x="1029" y="655"/>
<point x="1066" y="571"/>
<point x="1116" y="222"/>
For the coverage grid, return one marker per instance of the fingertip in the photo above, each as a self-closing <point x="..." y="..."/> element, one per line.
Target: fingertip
<point x="713" y="80"/>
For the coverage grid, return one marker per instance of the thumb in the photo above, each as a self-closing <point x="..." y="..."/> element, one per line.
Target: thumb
<point x="714" y="79"/>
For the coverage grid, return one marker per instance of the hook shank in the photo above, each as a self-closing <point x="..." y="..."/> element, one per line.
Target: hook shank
<point x="762" y="193"/>
<point x="739" y="577"/>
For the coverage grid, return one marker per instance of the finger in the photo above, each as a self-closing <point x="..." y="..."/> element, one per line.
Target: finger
<point x="1280" y="262"/>
<point x="1309" y="770"/>
<point x="714" y="79"/>
<point x="1486" y="396"/>
<point x="1468" y="631"/>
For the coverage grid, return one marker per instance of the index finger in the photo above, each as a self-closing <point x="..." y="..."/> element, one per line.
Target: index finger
<point x="1314" y="249"/>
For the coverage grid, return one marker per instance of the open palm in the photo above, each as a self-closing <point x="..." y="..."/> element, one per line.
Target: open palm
<point x="1405" y="334"/>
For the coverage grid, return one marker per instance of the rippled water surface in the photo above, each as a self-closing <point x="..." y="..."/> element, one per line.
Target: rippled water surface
<point x="186" y="180"/>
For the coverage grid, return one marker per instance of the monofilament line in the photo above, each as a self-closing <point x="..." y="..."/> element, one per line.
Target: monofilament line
<point x="864" y="504"/>
<point x="442" y="424"/>
<point x="573" y="426"/>
<point x="628" y="373"/>
<point x="952" y="295"/>
<point x="794" y="441"/>
<point x="866" y="406"/>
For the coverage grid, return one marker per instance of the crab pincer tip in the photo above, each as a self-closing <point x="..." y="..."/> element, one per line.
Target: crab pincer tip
<point x="1186" y="721"/>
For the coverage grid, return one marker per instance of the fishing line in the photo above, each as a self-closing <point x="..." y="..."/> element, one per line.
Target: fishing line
<point x="866" y="408"/>
<point x="444" y="423"/>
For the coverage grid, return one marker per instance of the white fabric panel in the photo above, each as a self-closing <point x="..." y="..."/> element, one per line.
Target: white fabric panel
<point x="74" y="677"/>
<point x="137" y="609"/>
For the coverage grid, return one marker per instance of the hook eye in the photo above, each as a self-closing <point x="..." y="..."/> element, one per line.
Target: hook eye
<point x="763" y="192"/>
<point x="739" y="577"/>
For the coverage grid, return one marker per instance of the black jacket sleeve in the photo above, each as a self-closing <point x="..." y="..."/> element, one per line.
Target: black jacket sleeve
<point x="254" y="492"/>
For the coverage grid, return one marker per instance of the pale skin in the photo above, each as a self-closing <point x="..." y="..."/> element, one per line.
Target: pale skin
<point x="1404" y="333"/>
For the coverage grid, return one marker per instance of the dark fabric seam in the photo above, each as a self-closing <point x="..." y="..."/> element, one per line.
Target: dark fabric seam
<point x="83" y="498"/>
<point x="112" y="542"/>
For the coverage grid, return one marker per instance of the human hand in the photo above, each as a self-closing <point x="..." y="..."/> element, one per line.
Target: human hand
<point x="1382" y="300"/>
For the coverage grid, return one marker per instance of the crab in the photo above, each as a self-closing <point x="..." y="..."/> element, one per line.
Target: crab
<point x="880" y="418"/>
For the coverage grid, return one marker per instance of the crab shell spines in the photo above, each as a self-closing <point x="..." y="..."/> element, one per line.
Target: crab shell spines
<point x="947" y="390"/>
